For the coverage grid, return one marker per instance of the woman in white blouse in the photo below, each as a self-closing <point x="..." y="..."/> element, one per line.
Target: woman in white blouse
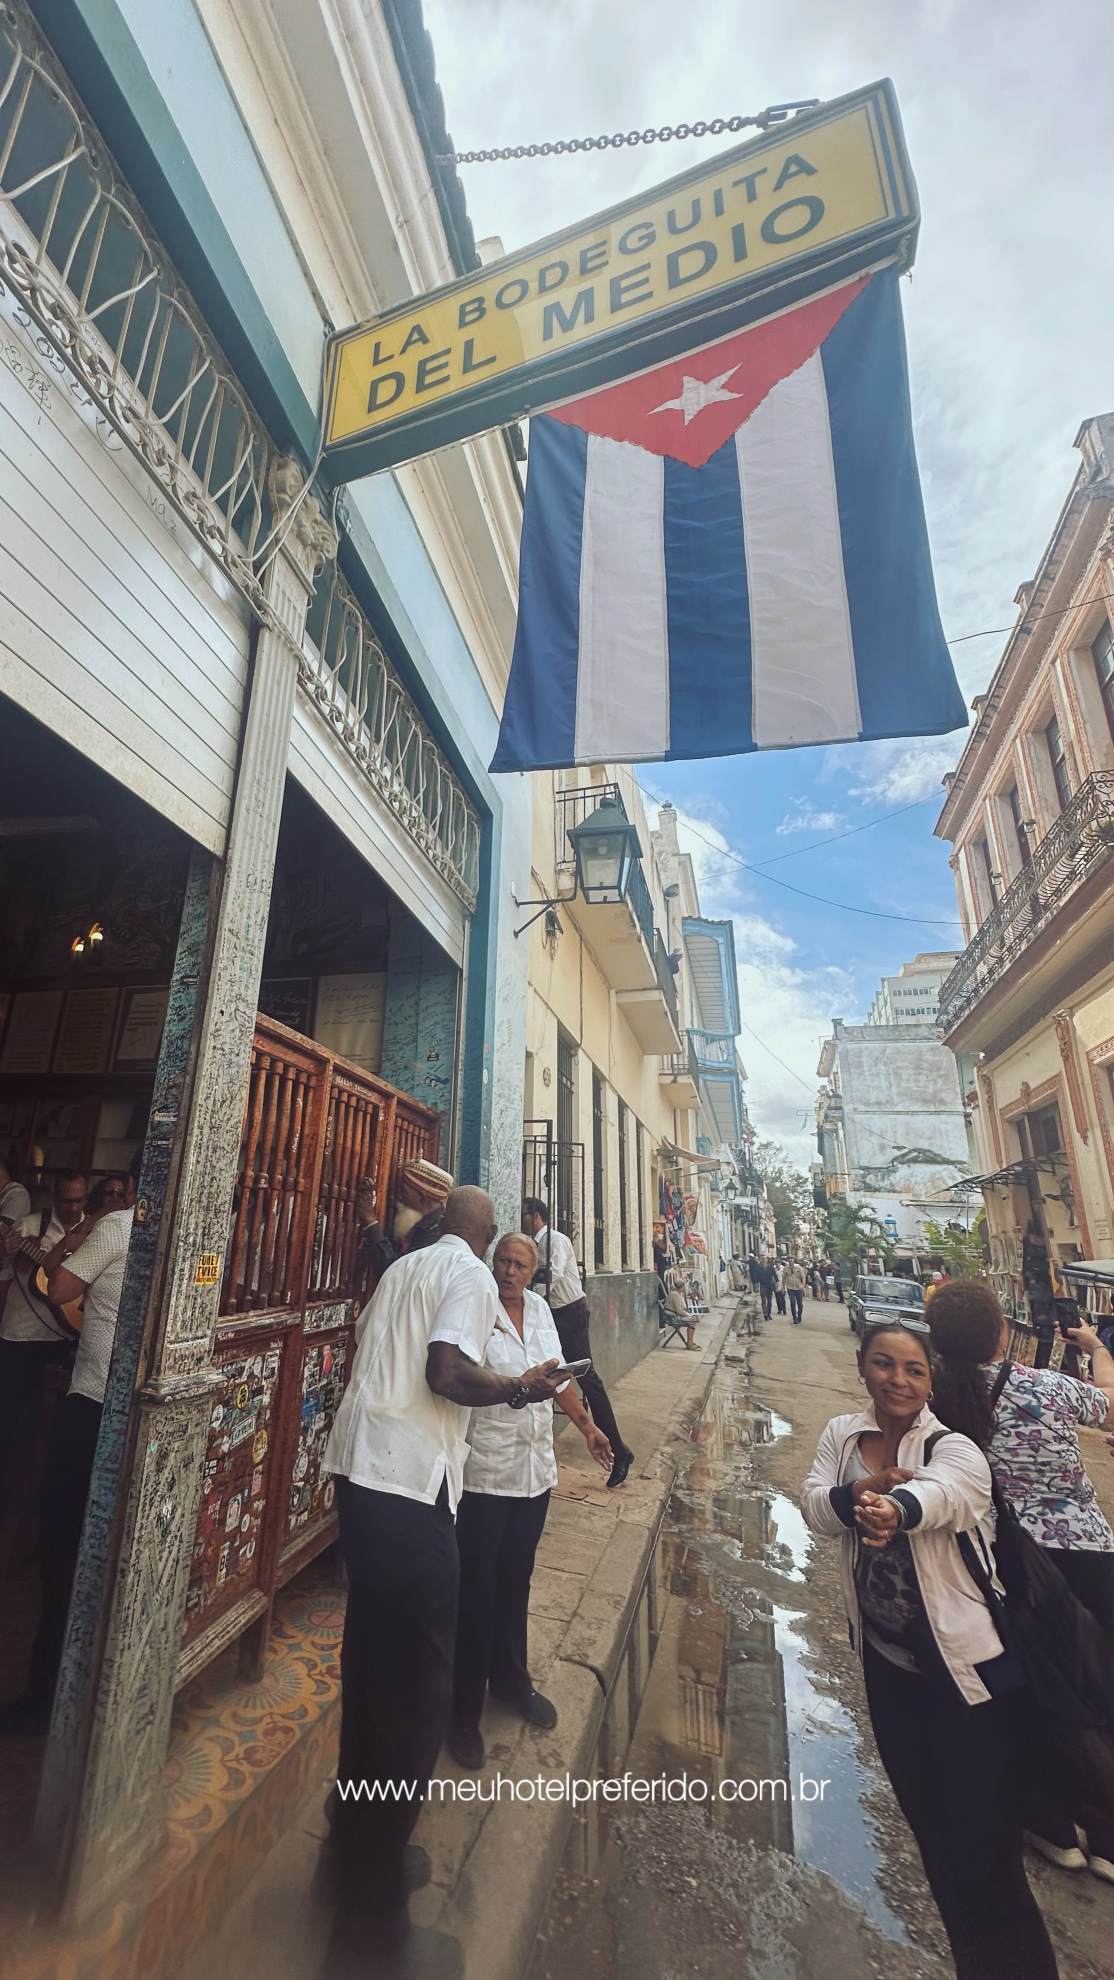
<point x="510" y="1472"/>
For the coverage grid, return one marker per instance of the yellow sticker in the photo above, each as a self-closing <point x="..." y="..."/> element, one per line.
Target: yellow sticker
<point x="208" y="1269"/>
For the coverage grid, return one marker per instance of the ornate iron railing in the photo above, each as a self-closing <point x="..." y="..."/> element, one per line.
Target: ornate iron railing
<point x="1079" y="842"/>
<point x="346" y="674"/>
<point x="667" y="982"/>
<point x="102" y="298"/>
<point x="680" y="1065"/>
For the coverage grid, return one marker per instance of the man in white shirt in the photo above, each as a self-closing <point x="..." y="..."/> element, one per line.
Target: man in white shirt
<point x="96" y="1270"/>
<point x="398" y="1447"/>
<point x="32" y="1341"/>
<point x="15" y="1205"/>
<point x="571" y="1314"/>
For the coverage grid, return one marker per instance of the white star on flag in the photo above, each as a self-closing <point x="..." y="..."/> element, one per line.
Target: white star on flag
<point x="696" y="393"/>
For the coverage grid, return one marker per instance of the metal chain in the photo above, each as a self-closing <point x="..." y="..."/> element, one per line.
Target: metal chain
<point x="775" y="114"/>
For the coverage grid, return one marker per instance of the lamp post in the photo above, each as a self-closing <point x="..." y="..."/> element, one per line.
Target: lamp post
<point x="605" y="846"/>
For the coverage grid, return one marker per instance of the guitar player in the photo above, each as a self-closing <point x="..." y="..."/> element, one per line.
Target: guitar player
<point x="32" y="1338"/>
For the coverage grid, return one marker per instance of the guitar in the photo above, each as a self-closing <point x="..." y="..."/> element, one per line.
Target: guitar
<point x="66" y="1317"/>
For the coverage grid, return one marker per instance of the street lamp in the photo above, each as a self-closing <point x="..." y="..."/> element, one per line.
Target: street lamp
<point x="605" y="846"/>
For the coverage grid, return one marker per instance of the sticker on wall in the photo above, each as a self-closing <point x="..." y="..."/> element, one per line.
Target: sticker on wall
<point x="207" y="1271"/>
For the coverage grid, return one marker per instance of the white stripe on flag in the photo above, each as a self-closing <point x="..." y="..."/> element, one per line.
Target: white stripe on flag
<point x="803" y="685"/>
<point x="622" y="687"/>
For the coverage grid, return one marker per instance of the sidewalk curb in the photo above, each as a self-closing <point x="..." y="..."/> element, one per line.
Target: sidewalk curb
<point x="496" y="1914"/>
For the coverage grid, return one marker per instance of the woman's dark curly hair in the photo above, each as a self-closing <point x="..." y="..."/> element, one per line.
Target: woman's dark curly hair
<point x="966" y="1323"/>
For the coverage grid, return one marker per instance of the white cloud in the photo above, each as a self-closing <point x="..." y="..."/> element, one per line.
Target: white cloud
<point x="903" y="772"/>
<point x="804" y="820"/>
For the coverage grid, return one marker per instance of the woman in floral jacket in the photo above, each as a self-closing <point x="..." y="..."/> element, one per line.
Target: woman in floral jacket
<point x="1031" y="1436"/>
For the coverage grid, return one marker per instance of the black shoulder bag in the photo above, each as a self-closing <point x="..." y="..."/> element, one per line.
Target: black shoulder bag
<point x="1061" y="1648"/>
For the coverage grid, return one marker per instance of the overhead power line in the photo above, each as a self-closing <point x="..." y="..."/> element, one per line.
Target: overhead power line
<point x="882" y="819"/>
<point x="844" y="907"/>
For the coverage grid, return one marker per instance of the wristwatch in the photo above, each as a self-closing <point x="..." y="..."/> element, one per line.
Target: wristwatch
<point x="520" y="1398"/>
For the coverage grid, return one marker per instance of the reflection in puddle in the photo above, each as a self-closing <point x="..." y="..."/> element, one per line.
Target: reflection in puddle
<point x="732" y="1678"/>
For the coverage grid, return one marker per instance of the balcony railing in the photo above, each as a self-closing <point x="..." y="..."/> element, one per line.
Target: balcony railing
<point x="1080" y="841"/>
<point x="573" y="807"/>
<point x="77" y="252"/>
<point x="714" y="1053"/>
<point x="348" y="677"/>
<point x="680" y="1065"/>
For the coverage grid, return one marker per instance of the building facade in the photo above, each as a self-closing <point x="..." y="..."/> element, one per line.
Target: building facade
<point x="913" y="995"/>
<point x="1029" y="812"/>
<point x="259" y="888"/>
<point x="891" y="1127"/>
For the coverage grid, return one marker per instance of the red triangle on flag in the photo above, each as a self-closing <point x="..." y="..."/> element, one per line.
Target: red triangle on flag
<point x="689" y="407"/>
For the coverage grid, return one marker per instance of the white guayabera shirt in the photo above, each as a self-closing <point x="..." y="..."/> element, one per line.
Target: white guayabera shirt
<point x="564" y="1279"/>
<point x="392" y="1434"/>
<point x="511" y="1450"/>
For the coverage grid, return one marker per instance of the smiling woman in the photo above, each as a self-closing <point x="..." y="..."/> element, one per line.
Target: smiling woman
<point x="895" y="1489"/>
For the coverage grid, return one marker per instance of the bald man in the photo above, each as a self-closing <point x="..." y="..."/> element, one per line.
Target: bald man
<point x="398" y="1448"/>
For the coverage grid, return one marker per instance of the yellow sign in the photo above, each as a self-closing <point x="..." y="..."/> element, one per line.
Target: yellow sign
<point x="541" y="321"/>
<point x="208" y="1268"/>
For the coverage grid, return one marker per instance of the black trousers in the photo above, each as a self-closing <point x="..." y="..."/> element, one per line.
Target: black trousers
<point x="24" y="1367"/>
<point x="796" y="1306"/>
<point x="497" y="1539"/>
<point x="69" y="1469"/>
<point x="396" y="1666"/>
<point x="1072" y="1770"/>
<point x="954" y="1769"/>
<point x="780" y="1298"/>
<point x="571" y="1323"/>
<point x="767" y="1293"/>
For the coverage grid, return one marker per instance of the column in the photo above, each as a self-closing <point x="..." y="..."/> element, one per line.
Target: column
<point x="117" y="1814"/>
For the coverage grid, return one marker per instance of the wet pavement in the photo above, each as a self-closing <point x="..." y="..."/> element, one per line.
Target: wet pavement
<point x="781" y="1852"/>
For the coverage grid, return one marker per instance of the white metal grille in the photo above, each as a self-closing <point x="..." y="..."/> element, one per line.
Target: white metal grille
<point x="76" y="252"/>
<point x="346" y="673"/>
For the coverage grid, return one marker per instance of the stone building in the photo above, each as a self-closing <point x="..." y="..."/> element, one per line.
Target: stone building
<point x="891" y="1127"/>
<point x="913" y="995"/>
<point x="1029" y="811"/>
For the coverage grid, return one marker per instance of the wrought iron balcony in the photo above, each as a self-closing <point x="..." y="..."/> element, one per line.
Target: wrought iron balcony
<point x="621" y="933"/>
<point x="573" y="807"/>
<point x="667" y="982"/>
<point x="1080" y="842"/>
<point x="680" y="1077"/>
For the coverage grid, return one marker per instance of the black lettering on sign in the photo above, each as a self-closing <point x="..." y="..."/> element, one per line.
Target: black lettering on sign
<point x="433" y="369"/>
<point x="646" y="236"/>
<point x="776" y="228"/>
<point x="380" y="356"/>
<point x="739" y="241"/>
<point x="795" y="167"/>
<point x="471" y="361"/>
<point x="559" y="271"/>
<point x="676" y="225"/>
<point x="704" y="253"/>
<point x="512" y="293"/>
<point x="750" y="181"/>
<point x="593" y="257"/>
<point x="385" y="390"/>
<point x="415" y="335"/>
<point x="472" y="311"/>
<point x="624" y="291"/>
<point x="556" y="318"/>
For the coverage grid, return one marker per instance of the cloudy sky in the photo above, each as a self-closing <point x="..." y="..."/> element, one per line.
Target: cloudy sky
<point x="1007" y="116"/>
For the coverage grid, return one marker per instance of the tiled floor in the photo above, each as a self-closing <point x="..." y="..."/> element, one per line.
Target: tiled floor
<point x="241" y="1756"/>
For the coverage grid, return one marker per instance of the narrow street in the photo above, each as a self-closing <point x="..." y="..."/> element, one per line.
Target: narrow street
<point x="754" y="1683"/>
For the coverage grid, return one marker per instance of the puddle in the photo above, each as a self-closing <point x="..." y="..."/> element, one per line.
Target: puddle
<point x="732" y="1706"/>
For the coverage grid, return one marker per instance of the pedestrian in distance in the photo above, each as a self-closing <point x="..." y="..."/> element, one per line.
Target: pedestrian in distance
<point x="814" y="1281"/>
<point x="510" y="1472"/>
<point x="1027" y="1420"/>
<point x="946" y="1699"/>
<point x="398" y="1448"/>
<point x="838" y="1283"/>
<point x="795" y="1288"/>
<point x="779" y="1287"/>
<point x="825" y="1282"/>
<point x="766" y="1287"/>
<point x="571" y="1315"/>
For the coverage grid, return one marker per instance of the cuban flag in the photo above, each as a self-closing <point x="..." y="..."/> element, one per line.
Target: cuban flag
<point x="729" y="553"/>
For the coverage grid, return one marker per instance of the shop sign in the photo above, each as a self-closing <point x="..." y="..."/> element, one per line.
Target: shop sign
<point x="722" y="245"/>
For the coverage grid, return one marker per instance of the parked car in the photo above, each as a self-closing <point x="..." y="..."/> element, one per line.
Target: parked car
<point x="877" y="1298"/>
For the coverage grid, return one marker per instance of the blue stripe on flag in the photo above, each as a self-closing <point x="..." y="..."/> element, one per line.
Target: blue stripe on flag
<point x="906" y="683"/>
<point x="539" y="715"/>
<point x="708" y="612"/>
